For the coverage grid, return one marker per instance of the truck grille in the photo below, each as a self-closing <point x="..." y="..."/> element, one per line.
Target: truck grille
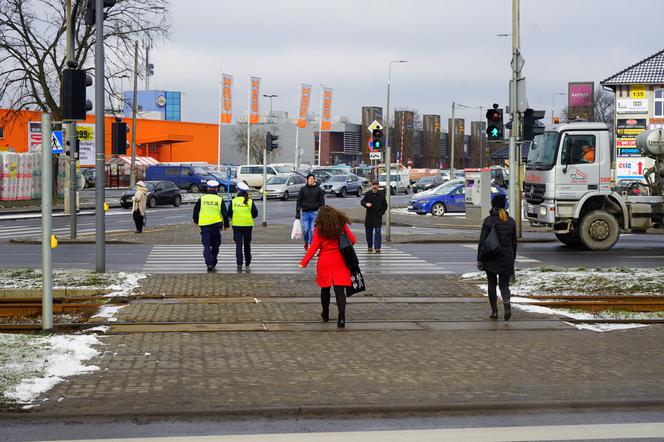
<point x="534" y="192"/>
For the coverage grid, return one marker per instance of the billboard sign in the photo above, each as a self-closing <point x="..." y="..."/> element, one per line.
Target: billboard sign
<point x="580" y="94"/>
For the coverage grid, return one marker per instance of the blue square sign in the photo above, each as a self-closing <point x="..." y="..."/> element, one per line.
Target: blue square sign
<point x="56" y="142"/>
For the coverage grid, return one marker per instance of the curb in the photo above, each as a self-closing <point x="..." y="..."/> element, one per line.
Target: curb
<point x="13" y="415"/>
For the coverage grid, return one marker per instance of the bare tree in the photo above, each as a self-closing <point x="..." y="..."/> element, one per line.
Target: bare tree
<point x="33" y="54"/>
<point x="603" y="109"/>
<point x="257" y="143"/>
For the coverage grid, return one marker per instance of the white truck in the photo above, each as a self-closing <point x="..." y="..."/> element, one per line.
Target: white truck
<point x="568" y="185"/>
<point x="399" y="178"/>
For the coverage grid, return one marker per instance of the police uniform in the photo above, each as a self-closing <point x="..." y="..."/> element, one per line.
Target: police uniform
<point x="211" y="216"/>
<point x="242" y="219"/>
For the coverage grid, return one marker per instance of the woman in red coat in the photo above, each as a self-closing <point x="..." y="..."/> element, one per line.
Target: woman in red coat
<point x="331" y="269"/>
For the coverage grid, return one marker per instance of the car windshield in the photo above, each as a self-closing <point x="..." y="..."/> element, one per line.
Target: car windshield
<point x="542" y="153"/>
<point x="277" y="180"/>
<point x="446" y="188"/>
<point x="338" y="178"/>
<point x="150" y="185"/>
<point x="282" y="169"/>
<point x="426" y="179"/>
<point x="200" y="171"/>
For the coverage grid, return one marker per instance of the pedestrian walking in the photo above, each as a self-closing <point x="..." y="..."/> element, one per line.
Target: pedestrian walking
<point x="310" y="198"/>
<point x="138" y="203"/>
<point x="242" y="212"/>
<point x="331" y="269"/>
<point x="211" y="216"/>
<point x="376" y="204"/>
<point x="500" y="267"/>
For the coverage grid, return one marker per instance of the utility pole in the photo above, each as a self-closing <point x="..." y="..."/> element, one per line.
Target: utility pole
<point x="134" y="97"/>
<point x="100" y="183"/>
<point x="73" y="151"/>
<point x="388" y="158"/>
<point x="47" y="224"/>
<point x="452" y="139"/>
<point x="515" y="154"/>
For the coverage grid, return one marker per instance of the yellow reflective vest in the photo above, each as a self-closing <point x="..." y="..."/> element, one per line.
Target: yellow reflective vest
<point x="242" y="212"/>
<point x="210" y="212"/>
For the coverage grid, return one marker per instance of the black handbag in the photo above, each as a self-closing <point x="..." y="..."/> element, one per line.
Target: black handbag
<point x="353" y="263"/>
<point x="357" y="284"/>
<point x="490" y="247"/>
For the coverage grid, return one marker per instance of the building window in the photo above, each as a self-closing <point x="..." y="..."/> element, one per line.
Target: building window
<point x="2" y="132"/>
<point x="659" y="102"/>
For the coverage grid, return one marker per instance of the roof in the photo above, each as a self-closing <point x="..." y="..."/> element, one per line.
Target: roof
<point x="142" y="161"/>
<point x="647" y="71"/>
<point x="166" y="139"/>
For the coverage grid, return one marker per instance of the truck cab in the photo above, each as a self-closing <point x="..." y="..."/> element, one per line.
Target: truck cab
<point x="568" y="186"/>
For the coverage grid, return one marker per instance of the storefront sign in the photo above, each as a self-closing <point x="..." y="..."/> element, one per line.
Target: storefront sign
<point x="631" y="106"/>
<point x="637" y="91"/>
<point x="630" y="126"/>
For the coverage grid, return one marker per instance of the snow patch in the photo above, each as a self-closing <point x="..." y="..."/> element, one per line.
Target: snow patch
<point x="108" y="312"/>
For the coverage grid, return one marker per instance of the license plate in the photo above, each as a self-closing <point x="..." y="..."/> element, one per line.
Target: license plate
<point x="410" y="207"/>
<point x="530" y="208"/>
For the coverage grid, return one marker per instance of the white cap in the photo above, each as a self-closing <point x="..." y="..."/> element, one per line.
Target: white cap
<point x="212" y="183"/>
<point x="241" y="185"/>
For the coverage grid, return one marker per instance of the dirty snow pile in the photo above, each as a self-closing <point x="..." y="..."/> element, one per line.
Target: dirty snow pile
<point x="23" y="278"/>
<point x="32" y="365"/>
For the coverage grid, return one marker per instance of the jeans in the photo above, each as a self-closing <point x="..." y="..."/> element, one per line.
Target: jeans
<point x="504" y="285"/>
<point x="211" y="239"/>
<point x="242" y="238"/>
<point x="307" y="219"/>
<point x="374" y="237"/>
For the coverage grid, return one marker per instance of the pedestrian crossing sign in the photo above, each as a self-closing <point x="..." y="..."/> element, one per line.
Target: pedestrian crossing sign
<point x="56" y="142"/>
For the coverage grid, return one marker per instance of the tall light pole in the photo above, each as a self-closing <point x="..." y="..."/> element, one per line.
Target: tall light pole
<point x="100" y="154"/>
<point x="270" y="96"/>
<point x="388" y="154"/>
<point x="515" y="99"/>
<point x="553" y="104"/>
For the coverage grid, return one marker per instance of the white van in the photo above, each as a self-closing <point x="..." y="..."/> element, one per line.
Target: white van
<point x="252" y="174"/>
<point x="399" y="177"/>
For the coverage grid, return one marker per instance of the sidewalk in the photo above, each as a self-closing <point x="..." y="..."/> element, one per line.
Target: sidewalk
<point x="207" y="346"/>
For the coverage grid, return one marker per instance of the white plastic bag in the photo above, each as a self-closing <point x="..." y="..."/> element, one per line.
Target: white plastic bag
<point x="296" y="233"/>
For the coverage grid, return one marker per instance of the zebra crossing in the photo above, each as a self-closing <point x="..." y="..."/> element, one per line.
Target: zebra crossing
<point x="279" y="259"/>
<point x="519" y="258"/>
<point x="33" y="232"/>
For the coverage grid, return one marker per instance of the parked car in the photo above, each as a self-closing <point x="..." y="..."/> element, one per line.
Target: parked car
<point x="342" y="185"/>
<point x="332" y="170"/>
<point x="427" y="182"/>
<point x="191" y="178"/>
<point x="321" y="176"/>
<point x="284" y="185"/>
<point x="252" y="174"/>
<point x="450" y="197"/>
<point x="223" y="182"/>
<point x="159" y="193"/>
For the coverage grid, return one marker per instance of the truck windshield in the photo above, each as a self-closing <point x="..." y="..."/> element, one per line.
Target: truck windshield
<point x="542" y="153"/>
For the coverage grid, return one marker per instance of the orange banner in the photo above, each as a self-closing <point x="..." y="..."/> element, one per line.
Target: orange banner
<point x="254" y="116"/>
<point x="326" y="123"/>
<point x="305" y="96"/>
<point x="227" y="97"/>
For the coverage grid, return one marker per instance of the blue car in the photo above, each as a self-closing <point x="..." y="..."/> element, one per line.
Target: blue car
<point x="449" y="197"/>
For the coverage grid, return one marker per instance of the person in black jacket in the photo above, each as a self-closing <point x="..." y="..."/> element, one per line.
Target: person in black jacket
<point x="499" y="268"/>
<point x="376" y="204"/>
<point x="309" y="200"/>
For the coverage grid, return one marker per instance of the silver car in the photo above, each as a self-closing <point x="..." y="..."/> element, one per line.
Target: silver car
<point x="284" y="185"/>
<point x="342" y="185"/>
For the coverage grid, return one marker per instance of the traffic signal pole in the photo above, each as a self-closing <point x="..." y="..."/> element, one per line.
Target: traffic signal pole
<point x="515" y="154"/>
<point x="73" y="151"/>
<point x="100" y="222"/>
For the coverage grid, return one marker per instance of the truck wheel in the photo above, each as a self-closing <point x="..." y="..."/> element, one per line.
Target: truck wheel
<point x="194" y="188"/>
<point x="599" y="230"/>
<point x="569" y="239"/>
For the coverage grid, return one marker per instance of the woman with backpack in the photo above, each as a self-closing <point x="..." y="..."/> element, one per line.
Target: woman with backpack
<point x="499" y="265"/>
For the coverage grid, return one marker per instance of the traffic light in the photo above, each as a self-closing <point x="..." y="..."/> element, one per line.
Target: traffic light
<point x="150" y="69"/>
<point x="74" y="103"/>
<point x="271" y="142"/>
<point x="494" y="124"/>
<point x="91" y="10"/>
<point x="119" y="138"/>
<point x="377" y="136"/>
<point x="531" y="124"/>
<point x="75" y="150"/>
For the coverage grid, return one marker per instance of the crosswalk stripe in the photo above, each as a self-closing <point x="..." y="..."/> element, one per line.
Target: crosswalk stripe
<point x="519" y="258"/>
<point x="279" y="258"/>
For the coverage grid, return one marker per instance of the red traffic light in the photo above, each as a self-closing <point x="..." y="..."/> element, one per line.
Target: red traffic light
<point x="492" y="115"/>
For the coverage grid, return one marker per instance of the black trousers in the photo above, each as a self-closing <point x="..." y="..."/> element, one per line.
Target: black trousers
<point x="340" y="294"/>
<point x="504" y="285"/>
<point x="242" y="238"/>
<point x="138" y="220"/>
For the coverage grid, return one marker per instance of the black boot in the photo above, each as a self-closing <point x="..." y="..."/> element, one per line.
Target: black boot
<point x="325" y="315"/>
<point x="494" y="315"/>
<point x="341" y="323"/>
<point x="508" y="312"/>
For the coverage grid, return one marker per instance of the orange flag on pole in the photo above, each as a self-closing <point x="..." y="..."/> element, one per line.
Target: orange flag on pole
<point x="254" y="115"/>
<point x="326" y="122"/>
<point x="305" y="96"/>
<point x="227" y="97"/>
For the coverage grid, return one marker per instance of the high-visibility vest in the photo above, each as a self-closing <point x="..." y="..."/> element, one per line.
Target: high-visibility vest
<point x="210" y="212"/>
<point x="242" y="212"/>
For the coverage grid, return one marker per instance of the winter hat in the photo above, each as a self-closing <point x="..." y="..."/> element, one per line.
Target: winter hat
<point x="498" y="201"/>
<point x="241" y="185"/>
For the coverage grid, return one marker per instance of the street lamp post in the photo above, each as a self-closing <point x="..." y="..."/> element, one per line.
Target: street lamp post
<point x="388" y="154"/>
<point x="270" y="96"/>
<point x="553" y="105"/>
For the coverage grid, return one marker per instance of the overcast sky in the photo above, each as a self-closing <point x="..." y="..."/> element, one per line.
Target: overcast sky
<point x="451" y="46"/>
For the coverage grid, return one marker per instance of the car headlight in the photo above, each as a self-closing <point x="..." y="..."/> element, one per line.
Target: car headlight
<point x="203" y="181"/>
<point x="542" y="210"/>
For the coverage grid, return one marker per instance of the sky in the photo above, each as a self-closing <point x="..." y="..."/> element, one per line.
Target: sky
<point x="452" y="49"/>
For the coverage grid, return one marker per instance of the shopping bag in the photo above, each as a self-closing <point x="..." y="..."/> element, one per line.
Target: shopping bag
<point x="296" y="233"/>
<point x="357" y="284"/>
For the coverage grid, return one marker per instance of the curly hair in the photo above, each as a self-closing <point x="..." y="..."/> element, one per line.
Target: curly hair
<point x="330" y="222"/>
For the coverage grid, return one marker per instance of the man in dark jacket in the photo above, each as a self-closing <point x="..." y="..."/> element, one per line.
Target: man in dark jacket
<point x="502" y="264"/>
<point x="376" y="205"/>
<point x="309" y="200"/>
<point x="211" y="216"/>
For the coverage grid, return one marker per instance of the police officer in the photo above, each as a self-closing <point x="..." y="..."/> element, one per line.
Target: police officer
<point x="242" y="212"/>
<point x="211" y="216"/>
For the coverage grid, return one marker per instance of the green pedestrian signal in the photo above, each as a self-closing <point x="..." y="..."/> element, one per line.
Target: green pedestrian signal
<point x="494" y="126"/>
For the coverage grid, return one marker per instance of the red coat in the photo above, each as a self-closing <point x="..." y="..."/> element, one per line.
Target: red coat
<point x="331" y="269"/>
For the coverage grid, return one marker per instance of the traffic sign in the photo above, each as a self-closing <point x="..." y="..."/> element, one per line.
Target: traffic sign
<point x="375" y="125"/>
<point x="376" y="156"/>
<point x="56" y="142"/>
